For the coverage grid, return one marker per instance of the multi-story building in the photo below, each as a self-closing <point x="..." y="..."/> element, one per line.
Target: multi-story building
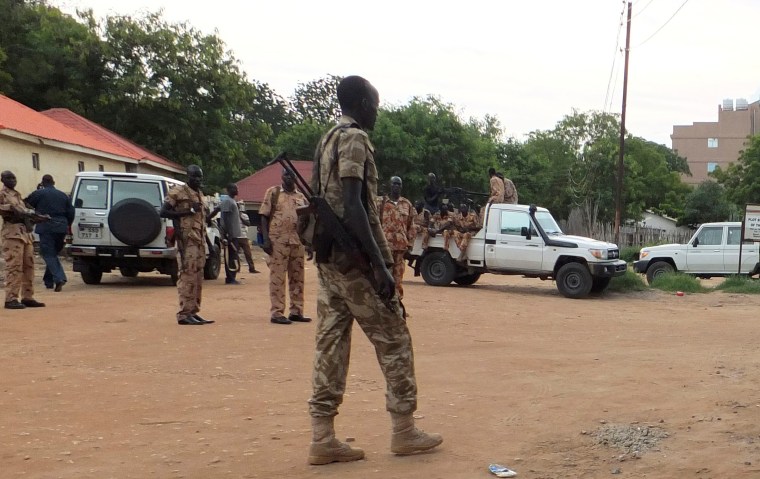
<point x="707" y="145"/>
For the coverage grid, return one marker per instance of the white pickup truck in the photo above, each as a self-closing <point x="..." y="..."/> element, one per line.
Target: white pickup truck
<point x="522" y="240"/>
<point x="712" y="251"/>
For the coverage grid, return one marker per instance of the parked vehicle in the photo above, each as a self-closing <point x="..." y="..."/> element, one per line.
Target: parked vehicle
<point x="523" y="240"/>
<point x="712" y="251"/>
<point x="117" y="225"/>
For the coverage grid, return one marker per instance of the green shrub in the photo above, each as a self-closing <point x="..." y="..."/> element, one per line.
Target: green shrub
<point x="630" y="281"/>
<point x="678" y="282"/>
<point x="629" y="254"/>
<point x="739" y="284"/>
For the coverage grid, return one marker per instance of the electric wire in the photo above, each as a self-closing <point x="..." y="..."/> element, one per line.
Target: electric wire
<point x="663" y="25"/>
<point x="607" y="98"/>
<point x="642" y="9"/>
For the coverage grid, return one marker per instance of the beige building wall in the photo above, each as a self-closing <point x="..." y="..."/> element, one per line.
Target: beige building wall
<point x="709" y="144"/>
<point x="17" y="156"/>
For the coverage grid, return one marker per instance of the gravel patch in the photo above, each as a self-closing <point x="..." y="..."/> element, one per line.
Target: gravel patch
<point x="632" y="439"/>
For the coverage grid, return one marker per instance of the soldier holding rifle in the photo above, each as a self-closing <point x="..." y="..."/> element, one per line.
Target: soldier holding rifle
<point x="184" y="205"/>
<point x="345" y="176"/>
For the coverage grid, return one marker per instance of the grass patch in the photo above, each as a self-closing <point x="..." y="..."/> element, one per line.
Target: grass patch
<point x="678" y="282"/>
<point x="739" y="284"/>
<point x="630" y="281"/>
<point x="629" y="254"/>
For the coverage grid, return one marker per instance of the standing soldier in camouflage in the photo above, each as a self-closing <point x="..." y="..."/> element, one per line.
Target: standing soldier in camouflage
<point x="18" y="246"/>
<point x="184" y="205"/>
<point x="279" y="222"/>
<point x="466" y="224"/>
<point x="397" y="219"/>
<point x="496" y="187"/>
<point x="510" y="191"/>
<point x="346" y="176"/>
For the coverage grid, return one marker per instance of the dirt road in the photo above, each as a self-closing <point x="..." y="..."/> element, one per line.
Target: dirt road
<point x="104" y="384"/>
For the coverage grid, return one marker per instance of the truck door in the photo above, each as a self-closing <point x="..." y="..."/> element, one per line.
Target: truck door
<point x="90" y="225"/>
<point x="731" y="252"/>
<point x="508" y="249"/>
<point x="707" y="255"/>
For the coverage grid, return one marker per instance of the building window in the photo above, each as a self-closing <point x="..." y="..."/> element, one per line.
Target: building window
<point x="81" y="166"/>
<point x="130" y="168"/>
<point x="711" y="167"/>
<point x="100" y="168"/>
<point x="712" y="142"/>
<point x="36" y="161"/>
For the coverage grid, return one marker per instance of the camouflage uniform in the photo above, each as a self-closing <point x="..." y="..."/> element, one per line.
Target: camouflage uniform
<point x="437" y="222"/>
<point x="510" y="192"/>
<point x="191" y="240"/>
<point x="465" y="227"/>
<point x="18" y="248"/>
<point x="287" y="251"/>
<point x="497" y="190"/>
<point x="345" y="297"/>
<point x="397" y="220"/>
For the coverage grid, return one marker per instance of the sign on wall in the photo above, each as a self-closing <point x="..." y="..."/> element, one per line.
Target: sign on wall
<point x="752" y="223"/>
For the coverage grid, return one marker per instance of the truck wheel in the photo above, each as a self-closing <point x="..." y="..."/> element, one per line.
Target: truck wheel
<point x="658" y="269"/>
<point x="467" y="279"/>
<point x="438" y="269"/>
<point x="91" y="275"/>
<point x="213" y="263"/>
<point x="128" y="272"/>
<point x="600" y="284"/>
<point x="574" y="280"/>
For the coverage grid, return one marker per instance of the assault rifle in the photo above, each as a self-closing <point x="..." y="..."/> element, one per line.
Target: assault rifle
<point x="331" y="229"/>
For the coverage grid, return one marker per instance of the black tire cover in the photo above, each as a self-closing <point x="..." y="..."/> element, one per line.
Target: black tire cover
<point x="134" y="222"/>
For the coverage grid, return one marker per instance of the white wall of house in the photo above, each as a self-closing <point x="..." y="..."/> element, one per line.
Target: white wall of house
<point x="652" y="220"/>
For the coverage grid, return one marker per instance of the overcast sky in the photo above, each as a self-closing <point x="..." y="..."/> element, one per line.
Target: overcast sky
<point x="528" y="62"/>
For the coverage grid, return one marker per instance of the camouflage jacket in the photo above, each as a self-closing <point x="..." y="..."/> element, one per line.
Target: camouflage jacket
<point x="11" y="205"/>
<point x="181" y="198"/>
<point x="397" y="219"/>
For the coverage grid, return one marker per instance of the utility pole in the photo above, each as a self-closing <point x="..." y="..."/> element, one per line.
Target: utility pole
<point x="621" y="168"/>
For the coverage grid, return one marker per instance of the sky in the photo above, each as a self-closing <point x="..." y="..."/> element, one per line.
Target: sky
<point x="527" y="62"/>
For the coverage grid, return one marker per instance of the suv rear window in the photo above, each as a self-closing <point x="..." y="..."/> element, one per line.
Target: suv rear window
<point x="150" y="192"/>
<point x="92" y="194"/>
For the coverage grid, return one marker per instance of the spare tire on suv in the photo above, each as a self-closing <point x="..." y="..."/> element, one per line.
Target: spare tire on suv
<point x="134" y="222"/>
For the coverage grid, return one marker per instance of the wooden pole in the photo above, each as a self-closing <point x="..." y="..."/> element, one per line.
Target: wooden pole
<point x="621" y="168"/>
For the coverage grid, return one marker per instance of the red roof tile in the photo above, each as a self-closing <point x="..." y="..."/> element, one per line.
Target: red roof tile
<point x="252" y="188"/>
<point x="101" y="134"/>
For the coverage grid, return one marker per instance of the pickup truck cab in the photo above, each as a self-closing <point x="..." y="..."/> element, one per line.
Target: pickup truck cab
<point x="712" y="251"/>
<point x="522" y="240"/>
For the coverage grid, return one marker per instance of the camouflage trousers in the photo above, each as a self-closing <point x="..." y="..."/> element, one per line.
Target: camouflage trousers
<point x="399" y="265"/>
<point x="446" y="239"/>
<point x="463" y="241"/>
<point x="190" y="281"/>
<point x="341" y="299"/>
<point x="286" y="259"/>
<point x="19" y="269"/>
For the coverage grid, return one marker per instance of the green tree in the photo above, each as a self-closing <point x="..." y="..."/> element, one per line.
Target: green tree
<point x="317" y="100"/>
<point x="740" y="178"/>
<point x="180" y="93"/>
<point x="707" y="203"/>
<point x="49" y="59"/>
<point x="300" y="140"/>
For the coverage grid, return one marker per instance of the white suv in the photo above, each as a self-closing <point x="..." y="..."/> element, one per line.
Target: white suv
<point x="117" y="226"/>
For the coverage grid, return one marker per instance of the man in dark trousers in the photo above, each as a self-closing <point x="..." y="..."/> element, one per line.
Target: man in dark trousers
<point x="232" y="231"/>
<point x="53" y="202"/>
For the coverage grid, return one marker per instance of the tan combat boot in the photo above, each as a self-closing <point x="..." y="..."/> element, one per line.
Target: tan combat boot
<point x="407" y="439"/>
<point x="325" y="448"/>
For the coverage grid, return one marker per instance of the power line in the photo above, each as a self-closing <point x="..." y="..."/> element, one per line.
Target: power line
<point x="614" y="59"/>
<point x="643" y="8"/>
<point x="663" y="25"/>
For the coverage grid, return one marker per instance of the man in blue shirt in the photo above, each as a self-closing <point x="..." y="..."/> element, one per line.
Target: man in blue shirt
<point x="50" y="201"/>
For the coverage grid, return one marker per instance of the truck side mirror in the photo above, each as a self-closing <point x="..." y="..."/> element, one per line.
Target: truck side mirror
<point x="525" y="231"/>
<point x="696" y="242"/>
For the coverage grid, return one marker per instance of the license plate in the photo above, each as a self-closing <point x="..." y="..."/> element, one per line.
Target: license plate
<point x="89" y="232"/>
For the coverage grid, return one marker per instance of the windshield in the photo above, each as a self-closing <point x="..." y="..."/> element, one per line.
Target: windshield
<point x="547" y="222"/>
